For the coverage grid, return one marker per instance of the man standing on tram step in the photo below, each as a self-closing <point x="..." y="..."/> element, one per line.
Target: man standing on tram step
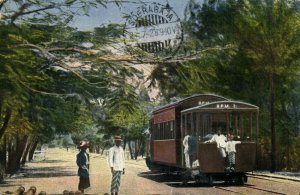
<point x="230" y="149"/>
<point x="83" y="162"/>
<point x="189" y="143"/>
<point x="116" y="162"/>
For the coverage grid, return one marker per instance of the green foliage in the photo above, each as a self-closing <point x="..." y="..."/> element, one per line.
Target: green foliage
<point x="264" y="59"/>
<point x="46" y="94"/>
<point x="249" y="51"/>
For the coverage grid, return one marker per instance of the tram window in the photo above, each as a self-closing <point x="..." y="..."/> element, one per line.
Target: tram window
<point x="158" y="131"/>
<point x="241" y="125"/>
<point x="219" y="122"/>
<point x="183" y="123"/>
<point x="194" y="121"/>
<point x="155" y="131"/>
<point x="247" y="127"/>
<point x="161" y="131"/>
<point x="189" y="122"/>
<point x="167" y="128"/>
<point x="172" y="129"/>
<point x="164" y="131"/>
<point x="207" y="124"/>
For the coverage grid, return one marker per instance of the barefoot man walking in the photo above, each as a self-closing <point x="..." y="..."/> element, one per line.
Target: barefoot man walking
<point x="117" y="164"/>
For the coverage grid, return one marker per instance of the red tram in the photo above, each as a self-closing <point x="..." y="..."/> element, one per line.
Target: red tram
<point x="203" y="114"/>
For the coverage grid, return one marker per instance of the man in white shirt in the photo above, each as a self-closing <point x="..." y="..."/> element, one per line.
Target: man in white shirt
<point x="189" y="143"/>
<point x="116" y="162"/>
<point x="230" y="149"/>
<point x="220" y="139"/>
<point x="186" y="149"/>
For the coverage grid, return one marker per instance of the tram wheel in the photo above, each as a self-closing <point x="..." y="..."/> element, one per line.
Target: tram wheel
<point x="185" y="176"/>
<point x="210" y="180"/>
<point x="240" y="180"/>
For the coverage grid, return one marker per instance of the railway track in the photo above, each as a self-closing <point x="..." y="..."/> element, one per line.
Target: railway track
<point x="245" y="189"/>
<point x="255" y="190"/>
<point x="272" y="177"/>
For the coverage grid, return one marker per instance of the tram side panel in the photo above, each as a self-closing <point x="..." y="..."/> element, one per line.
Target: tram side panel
<point x="164" y="151"/>
<point x="210" y="158"/>
<point x="211" y="161"/>
<point x="245" y="157"/>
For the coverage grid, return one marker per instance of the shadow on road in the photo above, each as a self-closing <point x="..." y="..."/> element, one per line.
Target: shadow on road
<point x="175" y="180"/>
<point x="48" y="161"/>
<point x="8" y="184"/>
<point x="47" y="172"/>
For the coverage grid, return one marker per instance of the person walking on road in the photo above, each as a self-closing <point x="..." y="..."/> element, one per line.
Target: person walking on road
<point x="83" y="161"/>
<point x="116" y="162"/>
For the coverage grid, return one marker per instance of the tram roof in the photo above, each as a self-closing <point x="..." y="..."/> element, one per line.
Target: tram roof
<point x="179" y="102"/>
<point x="223" y="105"/>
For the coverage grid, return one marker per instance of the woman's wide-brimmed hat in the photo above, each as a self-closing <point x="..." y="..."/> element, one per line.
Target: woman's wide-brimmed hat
<point x="83" y="144"/>
<point x="118" y="138"/>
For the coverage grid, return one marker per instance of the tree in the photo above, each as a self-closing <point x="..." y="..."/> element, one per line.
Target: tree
<point x="51" y="73"/>
<point x="265" y="35"/>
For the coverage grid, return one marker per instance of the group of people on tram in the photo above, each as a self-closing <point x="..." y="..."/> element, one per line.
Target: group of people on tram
<point x="225" y="144"/>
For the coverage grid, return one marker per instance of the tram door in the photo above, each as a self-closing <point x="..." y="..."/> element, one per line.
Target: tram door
<point x="190" y="134"/>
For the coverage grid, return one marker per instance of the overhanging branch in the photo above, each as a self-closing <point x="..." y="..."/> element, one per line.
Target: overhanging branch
<point x="2" y="2"/>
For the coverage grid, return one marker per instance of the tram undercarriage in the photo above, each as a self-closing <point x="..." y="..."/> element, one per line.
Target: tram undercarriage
<point x="195" y="175"/>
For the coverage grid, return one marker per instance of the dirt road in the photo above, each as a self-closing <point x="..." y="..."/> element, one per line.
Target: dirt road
<point x="58" y="173"/>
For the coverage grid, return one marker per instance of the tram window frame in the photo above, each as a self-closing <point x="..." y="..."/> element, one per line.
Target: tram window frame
<point x="188" y="121"/>
<point x="172" y="129"/>
<point x="164" y="130"/>
<point x="246" y="127"/>
<point x="183" y="124"/>
<point x="167" y="129"/>
<point x="194" y="121"/>
<point x="158" y="131"/>
<point x="207" y="124"/>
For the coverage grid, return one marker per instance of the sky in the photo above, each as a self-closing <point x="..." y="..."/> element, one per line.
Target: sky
<point x="114" y="14"/>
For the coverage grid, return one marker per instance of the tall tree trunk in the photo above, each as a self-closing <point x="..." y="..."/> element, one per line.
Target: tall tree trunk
<point x="272" y="118"/>
<point x="140" y="147"/>
<point x="10" y="160"/>
<point x="20" y="147"/>
<point x="25" y="153"/>
<point x="102" y="150"/>
<point x="97" y="149"/>
<point x="15" y="150"/>
<point x="32" y="149"/>
<point x="3" y="151"/>
<point x="135" y="149"/>
<point x="91" y="149"/>
<point x="5" y="121"/>
<point x="3" y="159"/>
<point x="130" y="150"/>
<point x="124" y="146"/>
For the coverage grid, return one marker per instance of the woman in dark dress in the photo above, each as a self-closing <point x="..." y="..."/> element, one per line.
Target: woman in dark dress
<point x="83" y="161"/>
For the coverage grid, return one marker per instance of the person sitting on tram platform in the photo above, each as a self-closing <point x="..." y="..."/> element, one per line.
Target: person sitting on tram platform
<point x="220" y="139"/>
<point x="189" y="143"/>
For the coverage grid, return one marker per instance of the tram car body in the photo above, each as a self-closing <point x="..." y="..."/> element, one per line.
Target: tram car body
<point x="204" y="114"/>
